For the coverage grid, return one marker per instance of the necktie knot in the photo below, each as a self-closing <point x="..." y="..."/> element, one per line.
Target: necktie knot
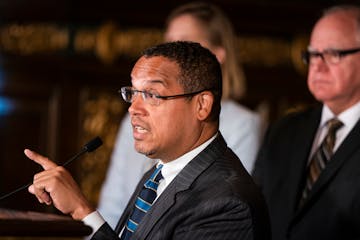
<point x="333" y="125"/>
<point x="157" y="176"/>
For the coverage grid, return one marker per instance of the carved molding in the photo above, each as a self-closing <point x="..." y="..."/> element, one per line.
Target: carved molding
<point x="108" y="42"/>
<point x="33" y="38"/>
<point x="101" y="117"/>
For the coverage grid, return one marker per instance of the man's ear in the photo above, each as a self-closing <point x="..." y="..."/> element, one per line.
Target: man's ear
<point x="204" y="104"/>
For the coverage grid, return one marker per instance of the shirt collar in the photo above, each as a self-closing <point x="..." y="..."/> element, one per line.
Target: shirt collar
<point x="349" y="117"/>
<point x="171" y="169"/>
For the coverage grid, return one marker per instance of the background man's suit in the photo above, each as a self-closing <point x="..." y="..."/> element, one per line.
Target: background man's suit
<point x="213" y="197"/>
<point x="332" y="210"/>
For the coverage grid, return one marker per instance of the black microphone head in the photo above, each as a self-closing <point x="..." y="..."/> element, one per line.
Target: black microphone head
<point x="93" y="144"/>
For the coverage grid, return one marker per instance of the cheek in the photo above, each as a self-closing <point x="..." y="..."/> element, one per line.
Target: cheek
<point x="165" y="121"/>
<point x="173" y="120"/>
<point x="338" y="82"/>
<point x="346" y="79"/>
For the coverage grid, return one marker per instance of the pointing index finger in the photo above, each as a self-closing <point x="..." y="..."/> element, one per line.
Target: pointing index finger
<point x="44" y="162"/>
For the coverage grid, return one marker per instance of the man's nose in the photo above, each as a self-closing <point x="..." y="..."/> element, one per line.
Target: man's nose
<point x="318" y="63"/>
<point x="137" y="105"/>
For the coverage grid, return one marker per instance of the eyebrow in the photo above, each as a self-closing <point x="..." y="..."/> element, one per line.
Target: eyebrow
<point x="324" y="50"/>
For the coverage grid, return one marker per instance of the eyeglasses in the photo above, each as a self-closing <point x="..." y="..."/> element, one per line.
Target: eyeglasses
<point x="331" y="56"/>
<point x="128" y="94"/>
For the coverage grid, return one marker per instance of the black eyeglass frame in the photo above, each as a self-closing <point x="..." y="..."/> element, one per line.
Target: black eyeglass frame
<point x="121" y="91"/>
<point x="305" y="55"/>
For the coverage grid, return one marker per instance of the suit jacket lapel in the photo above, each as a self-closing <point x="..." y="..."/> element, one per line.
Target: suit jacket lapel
<point x="303" y="143"/>
<point x="343" y="153"/>
<point x="181" y="182"/>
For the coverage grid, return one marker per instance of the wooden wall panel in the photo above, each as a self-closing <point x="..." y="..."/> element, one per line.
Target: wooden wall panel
<point x="27" y="121"/>
<point x="46" y="104"/>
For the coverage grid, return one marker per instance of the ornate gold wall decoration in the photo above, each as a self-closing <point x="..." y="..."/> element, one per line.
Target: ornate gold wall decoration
<point x="263" y="51"/>
<point x="104" y="47"/>
<point x="108" y="42"/>
<point x="112" y="42"/>
<point x="33" y="38"/>
<point x="299" y="44"/>
<point x="101" y="117"/>
<point x="85" y="40"/>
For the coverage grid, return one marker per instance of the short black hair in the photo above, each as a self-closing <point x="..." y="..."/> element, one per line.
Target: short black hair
<point x="199" y="68"/>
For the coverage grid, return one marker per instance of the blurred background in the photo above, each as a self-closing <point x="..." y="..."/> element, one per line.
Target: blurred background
<point x="62" y="62"/>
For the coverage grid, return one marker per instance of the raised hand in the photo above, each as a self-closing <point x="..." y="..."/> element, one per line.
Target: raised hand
<point x="56" y="186"/>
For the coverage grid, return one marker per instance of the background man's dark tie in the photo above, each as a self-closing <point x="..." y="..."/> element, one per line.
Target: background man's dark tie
<point x="321" y="157"/>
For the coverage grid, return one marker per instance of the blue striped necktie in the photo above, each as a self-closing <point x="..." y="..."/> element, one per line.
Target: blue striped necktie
<point x="143" y="203"/>
<point x="320" y="158"/>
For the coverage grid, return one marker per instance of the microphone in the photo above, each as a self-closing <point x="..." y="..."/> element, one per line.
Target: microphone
<point x="88" y="147"/>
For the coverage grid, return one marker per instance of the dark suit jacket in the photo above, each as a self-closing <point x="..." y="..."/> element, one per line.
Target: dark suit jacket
<point x="213" y="197"/>
<point x="332" y="210"/>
